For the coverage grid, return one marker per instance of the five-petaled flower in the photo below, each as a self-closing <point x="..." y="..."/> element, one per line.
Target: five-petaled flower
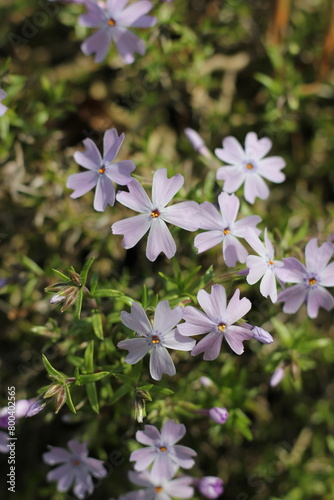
<point x="154" y="488"/>
<point x="222" y="228"/>
<point x="3" y="108"/>
<point x="76" y="468"/>
<point x="162" y="450"/>
<point x="101" y="171"/>
<point x="263" y="266"/>
<point x="154" y="338"/>
<point x="154" y="215"/>
<point x="249" y="166"/>
<point x="217" y="321"/>
<point x="310" y="280"/>
<point x="114" y="19"/>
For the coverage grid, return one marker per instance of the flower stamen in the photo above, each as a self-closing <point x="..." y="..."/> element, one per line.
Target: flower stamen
<point x="271" y="262"/>
<point x="222" y="327"/>
<point x="155" y="213"/>
<point x="102" y="170"/>
<point x="312" y="281"/>
<point x="111" y="22"/>
<point x="226" y="230"/>
<point x="163" y="448"/>
<point x="249" y="166"/>
<point x="158" y="489"/>
<point x="155" y="339"/>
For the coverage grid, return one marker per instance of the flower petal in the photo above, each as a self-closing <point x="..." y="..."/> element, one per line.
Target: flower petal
<point x="215" y="304"/>
<point x="64" y="475"/>
<point x="293" y="296"/>
<point x="137" y="348"/>
<point x="94" y="17"/>
<point x="255" y="187"/>
<point x="327" y="275"/>
<point x="81" y="183"/>
<point x="149" y="436"/>
<point x="137" y="320"/>
<point x="165" y="318"/>
<point x="161" y="362"/>
<point x="164" y="189"/>
<point x="268" y="286"/>
<point x="143" y="458"/>
<point x="316" y="298"/>
<point x="90" y="158"/>
<point x="209" y="217"/>
<point x="172" y="432"/>
<point x="174" y="340"/>
<point x="292" y="271"/>
<point x="133" y="12"/>
<point x="317" y="258"/>
<point x="159" y="241"/>
<point x="104" y="193"/>
<point x="210" y="345"/>
<point x="270" y="169"/>
<point x="120" y="172"/>
<point x="136" y="198"/>
<point x="257" y="267"/>
<point x="163" y="467"/>
<point x="78" y="448"/>
<point x="182" y="456"/>
<point x="254" y="241"/>
<point x="111" y="144"/>
<point x="197" y="322"/>
<point x="233" y="178"/>
<point x="235" y="335"/>
<point x="241" y="226"/>
<point x="232" y="152"/>
<point x="128" y="44"/>
<point x="182" y="214"/>
<point x="229" y="206"/>
<point x="132" y="228"/>
<point x="180" y="487"/>
<point x="233" y="251"/>
<point x="257" y="148"/>
<point x="98" y="43"/>
<point x="208" y="239"/>
<point x="56" y="455"/>
<point x="237" y="307"/>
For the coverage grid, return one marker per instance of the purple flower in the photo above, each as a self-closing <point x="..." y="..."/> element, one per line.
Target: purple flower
<point x="218" y="415"/>
<point x="113" y="19"/>
<point x="156" y="489"/>
<point x="259" y="333"/>
<point x="154" y="215"/>
<point x="162" y="451"/>
<point x="101" y="171"/>
<point x="210" y="486"/>
<point x="154" y="338"/>
<point x="223" y="228"/>
<point x="264" y="266"/>
<point x="197" y="142"/>
<point x="3" y="108"/>
<point x="36" y="407"/>
<point x="249" y="166"/>
<point x="217" y="321"/>
<point x="21" y="408"/>
<point x="277" y="376"/>
<point x="310" y="279"/>
<point x="76" y="468"/>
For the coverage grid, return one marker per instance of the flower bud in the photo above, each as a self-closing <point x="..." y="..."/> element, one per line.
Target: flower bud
<point x="218" y="415"/>
<point x="210" y="486"/>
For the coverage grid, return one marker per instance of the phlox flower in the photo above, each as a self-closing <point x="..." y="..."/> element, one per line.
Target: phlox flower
<point x="197" y="142"/>
<point x="154" y="338"/>
<point x="263" y="266"/>
<point x="113" y="20"/>
<point x="154" y="215"/>
<point x="310" y="279"/>
<point x="259" y="333"/>
<point x="102" y="172"/>
<point x="249" y="166"/>
<point x="217" y="321"/>
<point x="76" y="468"/>
<point x="3" y="108"/>
<point x="21" y="408"/>
<point x="156" y="489"/>
<point x="162" y="450"/>
<point x="223" y="228"/>
<point x="210" y="486"/>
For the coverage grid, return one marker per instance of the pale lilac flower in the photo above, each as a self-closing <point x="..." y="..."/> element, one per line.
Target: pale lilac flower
<point x="210" y="486"/>
<point x="277" y="376"/>
<point x="4" y="442"/>
<point x="217" y="321"/>
<point x="161" y="450"/>
<point x="259" y="333"/>
<point x="249" y="166"/>
<point x="76" y="468"/>
<point x="310" y="279"/>
<point x="3" y="108"/>
<point x="223" y="228"/>
<point x="154" y="215"/>
<point x="154" y="338"/>
<point x="113" y="19"/>
<point x="21" y="408"/>
<point x="218" y="415"/>
<point x="37" y="406"/>
<point x="197" y="142"/>
<point x="102" y="172"/>
<point x="156" y="489"/>
<point x="264" y="266"/>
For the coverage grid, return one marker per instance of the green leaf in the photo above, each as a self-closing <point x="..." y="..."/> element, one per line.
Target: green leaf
<point x="120" y="393"/>
<point x="144" y="297"/>
<point x="61" y="275"/>
<point x="31" y="265"/>
<point x="89" y="357"/>
<point x="106" y="292"/>
<point x="156" y="389"/>
<point x="52" y="371"/>
<point x="78" y="305"/>
<point x="191" y="276"/>
<point x="69" y="401"/>
<point x="283" y="332"/>
<point x="97" y="324"/>
<point x="92" y="397"/>
<point x="124" y="378"/>
<point x="85" y="270"/>
<point x="91" y="377"/>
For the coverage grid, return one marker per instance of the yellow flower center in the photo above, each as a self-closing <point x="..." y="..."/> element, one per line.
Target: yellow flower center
<point x="76" y="462"/>
<point x="155" y="213"/>
<point x="222" y="327"/>
<point x="163" y="448"/>
<point x="249" y="166"/>
<point x="271" y="262"/>
<point x="158" y="489"/>
<point x="111" y="22"/>
<point x="226" y="231"/>
<point x="312" y="281"/>
<point x="155" y="339"/>
<point x="102" y="170"/>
